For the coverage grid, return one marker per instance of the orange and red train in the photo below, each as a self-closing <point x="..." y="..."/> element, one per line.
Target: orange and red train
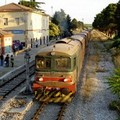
<point x="58" y="68"/>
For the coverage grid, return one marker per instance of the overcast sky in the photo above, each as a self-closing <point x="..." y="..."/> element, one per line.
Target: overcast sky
<point x="82" y="10"/>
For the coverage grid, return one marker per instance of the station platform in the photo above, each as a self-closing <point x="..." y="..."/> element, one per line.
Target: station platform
<point x="24" y="102"/>
<point x="19" y="60"/>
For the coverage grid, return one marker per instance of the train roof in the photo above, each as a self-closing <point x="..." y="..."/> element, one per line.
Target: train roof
<point x="70" y="47"/>
<point x="78" y="37"/>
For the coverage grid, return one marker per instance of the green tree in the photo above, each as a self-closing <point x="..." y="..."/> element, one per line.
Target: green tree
<point x="116" y="44"/>
<point x="59" y="18"/>
<point x="54" y="30"/>
<point x="65" y="23"/>
<point x="114" y="82"/>
<point x="74" y="24"/>
<point x="63" y="20"/>
<point x="55" y="19"/>
<point x="68" y="19"/>
<point x="80" y="25"/>
<point x="68" y="26"/>
<point x="32" y="4"/>
<point x="105" y="21"/>
<point x="117" y="16"/>
<point x="98" y="21"/>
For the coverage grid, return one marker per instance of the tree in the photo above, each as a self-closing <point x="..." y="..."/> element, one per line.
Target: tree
<point x="69" y="26"/>
<point x="59" y="18"/>
<point x="116" y="45"/>
<point x="54" y="30"/>
<point x="32" y="4"/>
<point x="117" y="16"/>
<point x="80" y="25"/>
<point x="98" y="21"/>
<point x="105" y="21"/>
<point x="63" y="21"/>
<point x="55" y="19"/>
<point x="74" y="24"/>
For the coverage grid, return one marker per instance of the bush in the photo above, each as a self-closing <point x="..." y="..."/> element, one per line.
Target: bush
<point x="114" y="105"/>
<point x="114" y="82"/>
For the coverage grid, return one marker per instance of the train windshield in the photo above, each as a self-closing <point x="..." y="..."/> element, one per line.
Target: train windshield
<point x="62" y="63"/>
<point x="43" y="63"/>
<point x="53" y="63"/>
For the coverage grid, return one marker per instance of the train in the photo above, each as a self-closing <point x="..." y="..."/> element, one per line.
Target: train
<point x="58" y="67"/>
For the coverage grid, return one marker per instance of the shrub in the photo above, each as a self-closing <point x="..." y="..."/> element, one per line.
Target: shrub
<point x="114" y="82"/>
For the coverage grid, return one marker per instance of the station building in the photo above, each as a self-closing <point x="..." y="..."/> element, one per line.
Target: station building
<point x="6" y="42"/>
<point x="27" y="25"/>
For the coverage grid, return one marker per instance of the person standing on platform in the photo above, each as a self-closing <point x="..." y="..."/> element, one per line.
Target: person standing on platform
<point x="2" y="59"/>
<point x="14" y="51"/>
<point x="7" y="60"/>
<point x="12" y="61"/>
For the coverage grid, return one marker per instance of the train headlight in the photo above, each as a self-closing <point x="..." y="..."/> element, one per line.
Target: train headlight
<point x="41" y="79"/>
<point x="57" y="88"/>
<point x="67" y="80"/>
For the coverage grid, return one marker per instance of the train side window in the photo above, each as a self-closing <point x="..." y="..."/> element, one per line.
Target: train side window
<point x="74" y="61"/>
<point x="43" y="63"/>
<point x="40" y="63"/>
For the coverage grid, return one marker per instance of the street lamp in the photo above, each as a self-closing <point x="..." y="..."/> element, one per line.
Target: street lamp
<point x="28" y="89"/>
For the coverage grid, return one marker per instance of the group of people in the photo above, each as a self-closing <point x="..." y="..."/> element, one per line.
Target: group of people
<point x="7" y="60"/>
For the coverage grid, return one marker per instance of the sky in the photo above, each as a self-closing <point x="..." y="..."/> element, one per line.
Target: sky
<point x="82" y="10"/>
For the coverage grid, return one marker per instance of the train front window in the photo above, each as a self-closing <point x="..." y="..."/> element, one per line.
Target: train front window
<point x="43" y="63"/>
<point x="62" y="63"/>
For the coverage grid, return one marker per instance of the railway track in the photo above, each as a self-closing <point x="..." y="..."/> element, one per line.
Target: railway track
<point x="42" y="107"/>
<point x="47" y="99"/>
<point x="61" y="112"/>
<point x="10" y="85"/>
<point x="39" y="110"/>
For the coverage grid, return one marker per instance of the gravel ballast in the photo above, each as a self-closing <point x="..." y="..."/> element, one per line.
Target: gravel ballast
<point x="93" y="97"/>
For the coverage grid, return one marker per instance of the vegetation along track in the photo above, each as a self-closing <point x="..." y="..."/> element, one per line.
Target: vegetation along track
<point x="10" y="85"/>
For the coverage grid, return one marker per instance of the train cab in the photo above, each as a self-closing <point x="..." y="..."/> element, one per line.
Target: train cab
<point x="57" y="69"/>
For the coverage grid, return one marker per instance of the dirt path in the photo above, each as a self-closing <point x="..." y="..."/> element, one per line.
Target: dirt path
<point x="95" y="93"/>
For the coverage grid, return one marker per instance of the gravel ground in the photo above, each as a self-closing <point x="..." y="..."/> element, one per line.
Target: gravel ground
<point x="93" y="96"/>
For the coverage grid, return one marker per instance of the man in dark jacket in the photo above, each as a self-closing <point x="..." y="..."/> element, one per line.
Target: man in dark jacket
<point x="7" y="60"/>
<point x="1" y="59"/>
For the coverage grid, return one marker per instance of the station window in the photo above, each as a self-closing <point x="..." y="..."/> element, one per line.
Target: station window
<point x="17" y="21"/>
<point x="5" y="21"/>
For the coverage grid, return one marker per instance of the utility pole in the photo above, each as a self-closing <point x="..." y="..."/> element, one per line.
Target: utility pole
<point x="51" y="10"/>
<point x="28" y="89"/>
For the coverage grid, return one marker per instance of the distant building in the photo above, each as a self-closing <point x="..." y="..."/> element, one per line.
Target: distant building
<point x="6" y="42"/>
<point x="29" y="26"/>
